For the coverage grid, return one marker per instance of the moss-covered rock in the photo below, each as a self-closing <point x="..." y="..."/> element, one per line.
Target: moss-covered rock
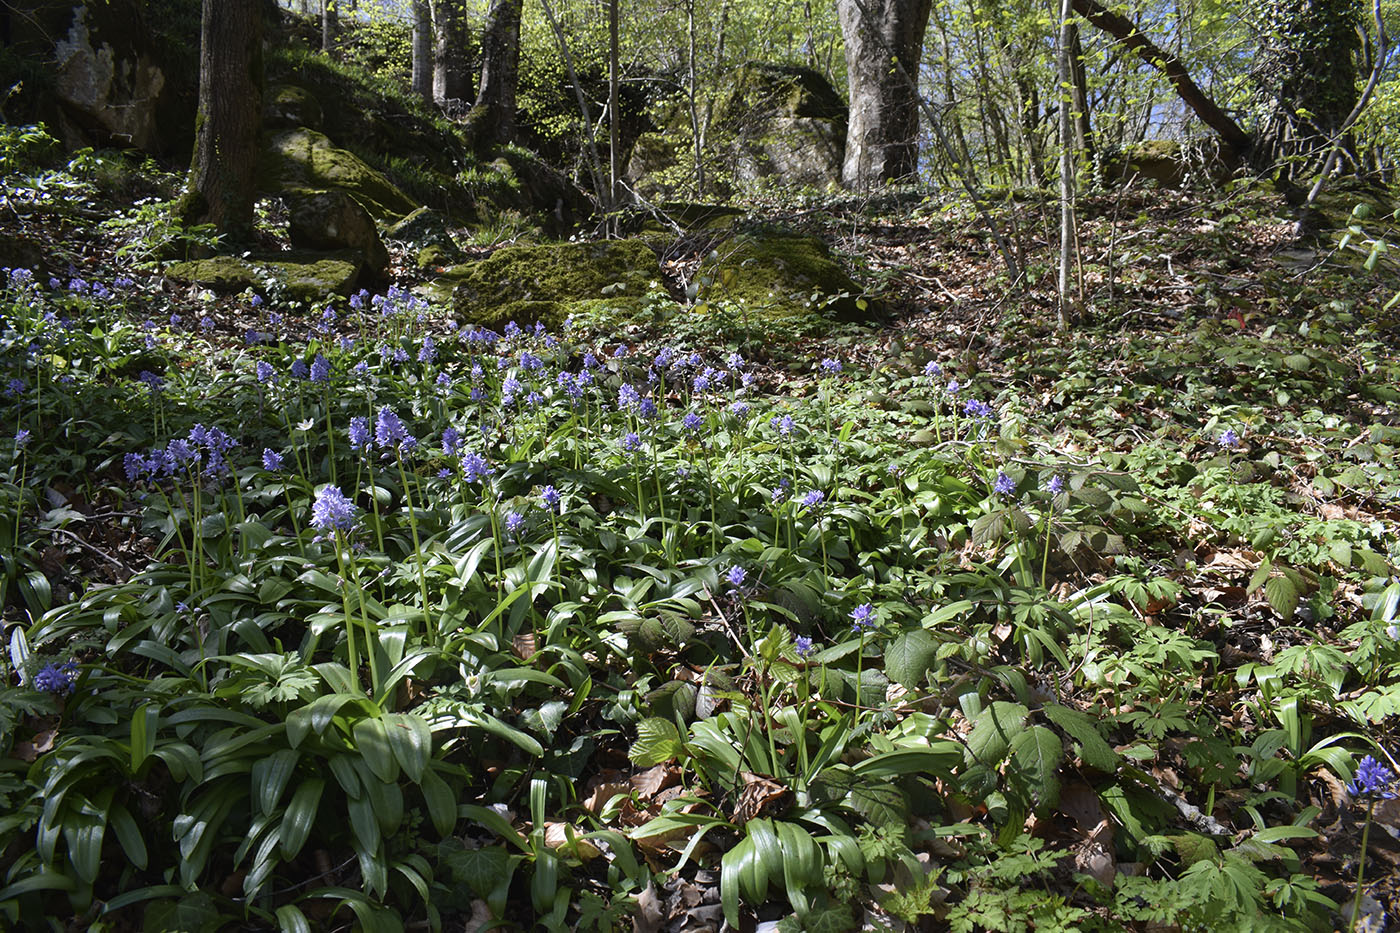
<point x="430" y="232"/>
<point x="782" y="274"/>
<point x="286" y="106"/>
<point x="333" y="220"/>
<point x="785" y="122"/>
<point x="304" y="158"/>
<point x="307" y="276"/>
<point x="549" y="282"/>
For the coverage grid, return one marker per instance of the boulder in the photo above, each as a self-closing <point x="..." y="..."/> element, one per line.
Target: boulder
<point x="304" y="158"/>
<point x="333" y="220"/>
<point x="430" y="234"/>
<point x="306" y="276"/>
<point x="781" y="273"/>
<point x="550" y="282"/>
<point x="784" y="122"/>
<point x="108" y="85"/>
<point x="286" y="106"/>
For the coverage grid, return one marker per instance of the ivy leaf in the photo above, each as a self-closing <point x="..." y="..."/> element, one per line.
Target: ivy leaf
<point x="908" y="657"/>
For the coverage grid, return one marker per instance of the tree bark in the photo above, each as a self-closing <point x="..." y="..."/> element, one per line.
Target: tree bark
<point x="452" y="76"/>
<point x="1067" y="159"/>
<point x="220" y="187"/>
<point x="493" y="118"/>
<point x="330" y="26"/>
<point x="1236" y="140"/>
<point x="614" y="116"/>
<point x="1083" y="128"/>
<point x="882" y="135"/>
<point x="422" y="77"/>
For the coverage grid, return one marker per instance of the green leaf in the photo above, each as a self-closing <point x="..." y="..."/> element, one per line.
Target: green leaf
<point x="270" y="776"/>
<point x="440" y="801"/>
<point x="290" y="919"/>
<point x="300" y="816"/>
<point x="1282" y="595"/>
<point x="129" y="835"/>
<point x="412" y="743"/>
<point x="988" y="529"/>
<point x="1193" y="848"/>
<point x="991" y="735"/>
<point x="1298" y="362"/>
<point x="658" y="741"/>
<point x="1260" y="576"/>
<point x="1037" y="754"/>
<point x="909" y="656"/>
<point x="1081" y="727"/>
<point x="372" y="740"/>
<point x="143" y="733"/>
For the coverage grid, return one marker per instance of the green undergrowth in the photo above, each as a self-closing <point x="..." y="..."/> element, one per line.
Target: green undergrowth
<point x="341" y="614"/>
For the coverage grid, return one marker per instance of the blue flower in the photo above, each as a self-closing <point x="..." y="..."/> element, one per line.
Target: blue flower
<point x="272" y="460"/>
<point x="320" y="369"/>
<point x="863" y="618"/>
<point x="830" y="366"/>
<point x="514" y="522"/>
<point x="1229" y="438"/>
<point x="300" y="370"/>
<point x="332" y="510"/>
<point x="812" y="498"/>
<point x="551" y="498"/>
<point x="1373" y="779"/>
<point x="428" y="351"/>
<point x="631" y="442"/>
<point x="953" y="387"/>
<point x="475" y="467"/>
<point x="692" y="422"/>
<point x="975" y="408"/>
<point x="451" y="441"/>
<point x="21" y="438"/>
<point x="56" y="678"/>
<point x="804" y="646"/>
<point x="932" y="369"/>
<point x="359" y="433"/>
<point x="1004" y="485"/>
<point x="265" y="372"/>
<point x="736" y="576"/>
<point x="153" y="382"/>
<point x="1055" y="484"/>
<point x="388" y="428"/>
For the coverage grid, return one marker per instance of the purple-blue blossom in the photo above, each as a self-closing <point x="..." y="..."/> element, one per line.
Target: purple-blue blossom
<point x="332" y="511"/>
<point x="863" y="617"/>
<point x="56" y="678"/>
<point x="1373" y="779"/>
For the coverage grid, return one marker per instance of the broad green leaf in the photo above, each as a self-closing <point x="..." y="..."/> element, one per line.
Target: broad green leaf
<point x="412" y="742"/>
<point x="1282" y="595"/>
<point x="658" y="741"/>
<point x="908" y="657"/>
<point x="993" y="731"/>
<point x="300" y="816"/>
<point x="1081" y="727"/>
<point x="441" y="802"/>
<point x="1037" y="753"/>
<point x="372" y="740"/>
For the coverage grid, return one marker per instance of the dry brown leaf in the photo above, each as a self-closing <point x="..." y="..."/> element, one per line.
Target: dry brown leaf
<point x="556" y="836"/>
<point x="653" y="780"/>
<point x="41" y="743"/>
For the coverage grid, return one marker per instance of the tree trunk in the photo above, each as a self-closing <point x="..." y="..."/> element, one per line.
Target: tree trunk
<point x="422" y="78"/>
<point x="452" y="75"/>
<point x="1305" y="80"/>
<point x="493" y="118"/>
<point x="220" y="187"/>
<point x="330" y="26"/>
<point x="882" y="135"/>
<point x="595" y="163"/>
<point x="1236" y="140"/>
<point x="614" y="117"/>
<point x="1067" y="160"/>
<point x="1083" y="130"/>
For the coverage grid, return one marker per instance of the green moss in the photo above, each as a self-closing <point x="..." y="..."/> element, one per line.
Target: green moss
<point x="783" y="274"/>
<point x="303" y="158"/>
<point x="549" y="282"/>
<point x="307" y="276"/>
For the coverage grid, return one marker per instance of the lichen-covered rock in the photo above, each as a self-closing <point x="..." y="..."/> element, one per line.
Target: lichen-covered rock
<point x="287" y="106"/>
<point x="304" y="158"/>
<point x="307" y="276"/>
<point x="333" y="220"/>
<point x="106" y="77"/>
<point x="549" y="282"/>
<point x="786" y="122"/>
<point x="781" y="273"/>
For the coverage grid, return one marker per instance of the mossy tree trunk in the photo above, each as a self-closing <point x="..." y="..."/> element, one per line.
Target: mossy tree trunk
<point x="452" y="76"/>
<point x="1305" y="80"/>
<point x="492" y="120"/>
<point x="220" y="187"/>
<point x="882" y="134"/>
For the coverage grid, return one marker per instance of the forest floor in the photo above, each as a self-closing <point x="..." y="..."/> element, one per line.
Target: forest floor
<point x="1088" y="627"/>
